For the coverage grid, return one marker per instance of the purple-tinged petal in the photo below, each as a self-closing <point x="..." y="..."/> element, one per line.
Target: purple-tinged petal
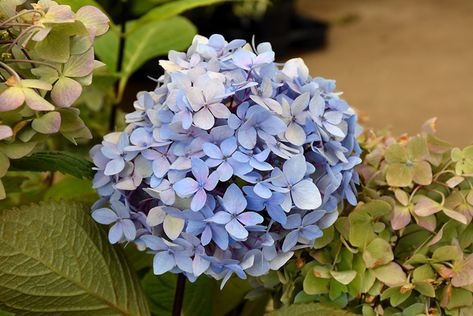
<point x="186" y="187"/>
<point x="312" y="217"/>
<point x="129" y="229"/>
<point x="293" y="221"/>
<point x="295" y="134"/>
<point x="199" y="170"/>
<point x="311" y="232"/>
<point x="114" y="166"/>
<point x="250" y="218"/>
<point x="262" y="191"/>
<point x="204" y="119"/>
<point x="198" y="201"/>
<point x="294" y="169"/>
<point x="220" y="218"/>
<point x="212" y="181"/>
<point x="163" y="262"/>
<point x="104" y="216"/>
<point x="225" y="171"/>
<point x="206" y="236"/>
<point x="228" y="146"/>
<point x="219" y="110"/>
<point x="305" y="195"/>
<point x="220" y="236"/>
<point x="233" y="200"/>
<point x="290" y="241"/>
<point x="236" y="230"/>
<point x="212" y="151"/>
<point x="115" y="234"/>
<point x="200" y="265"/>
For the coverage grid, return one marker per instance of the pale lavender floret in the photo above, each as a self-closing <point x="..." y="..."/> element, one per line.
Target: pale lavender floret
<point x="197" y="187"/>
<point x="118" y="215"/>
<point x="233" y="216"/>
<point x="231" y="164"/>
<point x="302" y="227"/>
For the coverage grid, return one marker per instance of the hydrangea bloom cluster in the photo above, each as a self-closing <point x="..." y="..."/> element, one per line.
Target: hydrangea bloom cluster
<point x="230" y="165"/>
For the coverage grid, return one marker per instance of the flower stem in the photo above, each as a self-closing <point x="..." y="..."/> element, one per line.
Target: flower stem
<point x="179" y="295"/>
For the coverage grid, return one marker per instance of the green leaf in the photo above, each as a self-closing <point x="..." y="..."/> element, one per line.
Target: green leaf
<point x="55" y="47"/>
<point x="61" y="262"/>
<point x="77" y="4"/>
<point x="171" y="9"/>
<point x="399" y="175"/>
<point x="71" y="188"/>
<point x="155" y="39"/>
<point x="425" y="289"/>
<point x="61" y="161"/>
<point x="49" y="123"/>
<point x="17" y="150"/>
<point x="315" y="285"/>
<point x="310" y="310"/>
<point x="378" y="253"/>
<point x="200" y="297"/>
<point x="446" y="253"/>
<point x="390" y="274"/>
<point x="344" y="277"/>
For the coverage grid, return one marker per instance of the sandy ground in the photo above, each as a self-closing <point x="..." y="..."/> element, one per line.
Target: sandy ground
<point x="401" y="62"/>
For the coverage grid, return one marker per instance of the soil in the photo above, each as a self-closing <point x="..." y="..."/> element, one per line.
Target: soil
<point x="400" y="62"/>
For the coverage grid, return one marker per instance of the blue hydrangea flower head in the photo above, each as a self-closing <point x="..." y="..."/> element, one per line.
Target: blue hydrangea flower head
<point x="230" y="164"/>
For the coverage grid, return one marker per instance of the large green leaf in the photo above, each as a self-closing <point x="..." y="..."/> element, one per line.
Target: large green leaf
<point x="61" y="161"/>
<point x="171" y="9"/>
<point x="150" y="41"/>
<point x="55" y="260"/>
<point x="201" y="298"/>
<point x="310" y="310"/>
<point x="77" y="4"/>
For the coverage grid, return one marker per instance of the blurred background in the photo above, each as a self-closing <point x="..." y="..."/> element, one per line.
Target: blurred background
<point x="398" y="62"/>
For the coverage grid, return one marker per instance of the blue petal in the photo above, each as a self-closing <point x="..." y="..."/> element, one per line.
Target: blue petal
<point x="305" y="195"/>
<point x="220" y="218"/>
<point x="186" y="187"/>
<point x="290" y="241"/>
<point x="104" y="216"/>
<point x="199" y="170"/>
<point x="114" y="166"/>
<point x="236" y="230"/>
<point x="250" y="218"/>
<point x="233" y="200"/>
<point x="163" y="262"/>
<point x="212" y="151"/>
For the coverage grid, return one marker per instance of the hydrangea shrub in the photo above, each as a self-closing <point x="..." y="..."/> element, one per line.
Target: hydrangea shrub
<point x="46" y="58"/>
<point x="230" y="165"/>
<point x="406" y="248"/>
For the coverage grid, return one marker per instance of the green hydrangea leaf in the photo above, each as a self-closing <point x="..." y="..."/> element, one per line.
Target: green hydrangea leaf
<point x="460" y="298"/>
<point x="422" y="173"/>
<point x="395" y="153"/>
<point x="49" y="123"/>
<point x="61" y="161"/>
<point x="171" y="9"/>
<point x="423" y="273"/>
<point x="17" y="150"/>
<point x="67" y="264"/>
<point x="310" y="309"/>
<point x="417" y="148"/>
<point x="72" y="188"/>
<point x="326" y="238"/>
<point x="4" y="164"/>
<point x="399" y="174"/>
<point x="77" y="4"/>
<point x="55" y="47"/>
<point x="425" y="288"/>
<point x="66" y="91"/>
<point x="463" y="272"/>
<point x="313" y="285"/>
<point x="344" y="277"/>
<point x="377" y="253"/>
<point x="390" y="274"/>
